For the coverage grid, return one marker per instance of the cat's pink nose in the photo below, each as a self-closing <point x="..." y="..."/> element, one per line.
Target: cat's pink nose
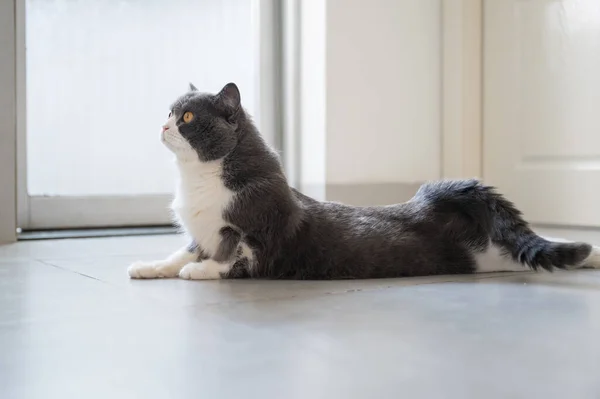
<point x="165" y="128"/>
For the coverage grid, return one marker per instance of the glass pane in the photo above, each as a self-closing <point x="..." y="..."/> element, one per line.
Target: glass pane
<point x="101" y="75"/>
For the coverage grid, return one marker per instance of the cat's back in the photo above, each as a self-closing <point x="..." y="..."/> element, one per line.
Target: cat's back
<point x="365" y="218"/>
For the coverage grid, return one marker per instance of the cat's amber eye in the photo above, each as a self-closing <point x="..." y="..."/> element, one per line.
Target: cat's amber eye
<point x="170" y="113"/>
<point x="187" y="117"/>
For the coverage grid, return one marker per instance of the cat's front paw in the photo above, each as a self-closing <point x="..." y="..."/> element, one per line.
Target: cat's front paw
<point x="205" y="270"/>
<point x="156" y="269"/>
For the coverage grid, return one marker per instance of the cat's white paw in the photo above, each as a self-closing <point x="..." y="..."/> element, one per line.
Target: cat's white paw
<point x="205" y="270"/>
<point x="157" y="269"/>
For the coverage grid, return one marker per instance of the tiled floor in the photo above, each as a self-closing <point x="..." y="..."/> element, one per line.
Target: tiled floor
<point x="72" y="325"/>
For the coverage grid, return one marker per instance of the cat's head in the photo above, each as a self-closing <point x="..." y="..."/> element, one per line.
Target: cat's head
<point x="204" y="125"/>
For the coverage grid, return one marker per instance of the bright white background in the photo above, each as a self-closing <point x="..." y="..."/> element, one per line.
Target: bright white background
<point x="100" y="78"/>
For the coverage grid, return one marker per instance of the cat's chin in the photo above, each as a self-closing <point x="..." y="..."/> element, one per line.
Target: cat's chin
<point x="176" y="149"/>
<point x="171" y="149"/>
<point x="184" y="156"/>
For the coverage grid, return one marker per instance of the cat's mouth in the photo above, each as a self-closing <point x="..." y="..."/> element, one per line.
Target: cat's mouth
<point x="167" y="134"/>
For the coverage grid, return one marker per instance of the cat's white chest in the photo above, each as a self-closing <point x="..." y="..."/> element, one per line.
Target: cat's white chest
<point x="200" y="202"/>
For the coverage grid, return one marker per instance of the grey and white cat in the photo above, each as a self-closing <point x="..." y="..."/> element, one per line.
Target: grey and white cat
<point x="244" y="220"/>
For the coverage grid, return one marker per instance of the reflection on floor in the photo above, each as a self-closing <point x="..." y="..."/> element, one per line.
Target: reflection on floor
<point x="72" y="325"/>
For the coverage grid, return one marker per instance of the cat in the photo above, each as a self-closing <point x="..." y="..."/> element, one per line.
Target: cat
<point x="244" y="221"/>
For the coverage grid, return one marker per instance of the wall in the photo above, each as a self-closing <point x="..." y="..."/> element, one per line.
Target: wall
<point x="378" y="117"/>
<point x="7" y="124"/>
<point x="383" y="86"/>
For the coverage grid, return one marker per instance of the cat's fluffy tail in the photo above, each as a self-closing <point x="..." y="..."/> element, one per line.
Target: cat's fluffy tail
<point x="494" y="216"/>
<point x="591" y="261"/>
<point x="538" y="252"/>
<point x="512" y="233"/>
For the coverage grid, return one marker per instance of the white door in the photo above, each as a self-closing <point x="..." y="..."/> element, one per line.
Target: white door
<point x="96" y="79"/>
<point x="542" y="107"/>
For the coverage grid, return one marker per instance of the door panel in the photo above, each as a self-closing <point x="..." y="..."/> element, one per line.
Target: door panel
<point x="541" y="107"/>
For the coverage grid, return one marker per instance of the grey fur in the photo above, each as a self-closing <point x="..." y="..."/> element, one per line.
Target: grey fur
<point x="193" y="247"/>
<point x="239" y="270"/>
<point x="292" y="236"/>
<point x="228" y="248"/>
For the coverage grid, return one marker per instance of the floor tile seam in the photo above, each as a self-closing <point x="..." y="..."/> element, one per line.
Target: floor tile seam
<point x="48" y="263"/>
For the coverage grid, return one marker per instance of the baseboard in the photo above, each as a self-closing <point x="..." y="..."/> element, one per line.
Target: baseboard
<point x="98" y="212"/>
<point x="365" y="194"/>
<point x="96" y="233"/>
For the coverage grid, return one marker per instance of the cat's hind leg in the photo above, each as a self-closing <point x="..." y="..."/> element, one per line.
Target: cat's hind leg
<point x="165" y="268"/>
<point x="478" y="211"/>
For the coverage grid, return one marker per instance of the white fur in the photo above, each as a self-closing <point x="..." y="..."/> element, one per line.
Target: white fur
<point x="162" y="268"/>
<point x="493" y="260"/>
<point x="247" y="253"/>
<point x="593" y="261"/>
<point x="200" y="199"/>
<point x="206" y="270"/>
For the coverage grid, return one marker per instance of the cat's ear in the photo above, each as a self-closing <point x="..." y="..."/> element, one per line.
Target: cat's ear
<point x="192" y="87"/>
<point x="229" y="98"/>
